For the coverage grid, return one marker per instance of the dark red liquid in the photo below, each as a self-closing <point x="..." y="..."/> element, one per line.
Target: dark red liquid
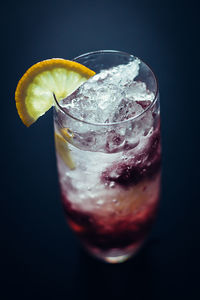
<point x="139" y="178"/>
<point x="124" y="232"/>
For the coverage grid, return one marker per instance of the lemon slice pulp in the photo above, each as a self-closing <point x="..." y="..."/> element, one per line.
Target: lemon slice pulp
<point x="34" y="92"/>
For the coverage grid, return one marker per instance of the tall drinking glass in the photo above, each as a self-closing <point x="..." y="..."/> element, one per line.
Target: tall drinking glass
<point x="109" y="172"/>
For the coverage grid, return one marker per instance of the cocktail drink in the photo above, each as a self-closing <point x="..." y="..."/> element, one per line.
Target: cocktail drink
<point x="107" y="136"/>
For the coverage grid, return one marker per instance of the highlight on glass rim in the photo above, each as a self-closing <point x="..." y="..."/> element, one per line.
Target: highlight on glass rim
<point x="107" y="141"/>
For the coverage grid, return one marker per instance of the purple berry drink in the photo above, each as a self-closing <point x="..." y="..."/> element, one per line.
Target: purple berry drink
<point x="107" y="136"/>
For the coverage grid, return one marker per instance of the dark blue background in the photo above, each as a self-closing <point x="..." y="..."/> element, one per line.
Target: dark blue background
<point x="40" y="257"/>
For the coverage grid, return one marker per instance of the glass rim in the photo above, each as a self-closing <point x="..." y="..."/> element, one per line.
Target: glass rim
<point x="119" y="122"/>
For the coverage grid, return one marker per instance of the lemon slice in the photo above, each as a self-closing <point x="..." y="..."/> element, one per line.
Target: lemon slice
<point x="34" y="92"/>
<point x="64" y="151"/>
<point x="67" y="133"/>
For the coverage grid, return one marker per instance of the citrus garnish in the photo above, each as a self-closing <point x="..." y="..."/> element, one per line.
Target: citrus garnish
<point x="67" y="133"/>
<point x="34" y="92"/>
<point x="63" y="150"/>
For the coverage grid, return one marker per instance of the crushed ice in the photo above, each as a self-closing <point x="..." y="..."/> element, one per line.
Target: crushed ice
<point x="112" y="95"/>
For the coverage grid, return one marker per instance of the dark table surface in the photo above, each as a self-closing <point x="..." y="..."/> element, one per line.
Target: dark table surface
<point x="40" y="257"/>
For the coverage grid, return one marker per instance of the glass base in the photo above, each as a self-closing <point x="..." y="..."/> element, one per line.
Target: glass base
<point x="114" y="256"/>
<point x="116" y="259"/>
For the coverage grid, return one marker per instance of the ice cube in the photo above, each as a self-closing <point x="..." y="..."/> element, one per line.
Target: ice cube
<point x="126" y="110"/>
<point x="115" y="141"/>
<point x="137" y="90"/>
